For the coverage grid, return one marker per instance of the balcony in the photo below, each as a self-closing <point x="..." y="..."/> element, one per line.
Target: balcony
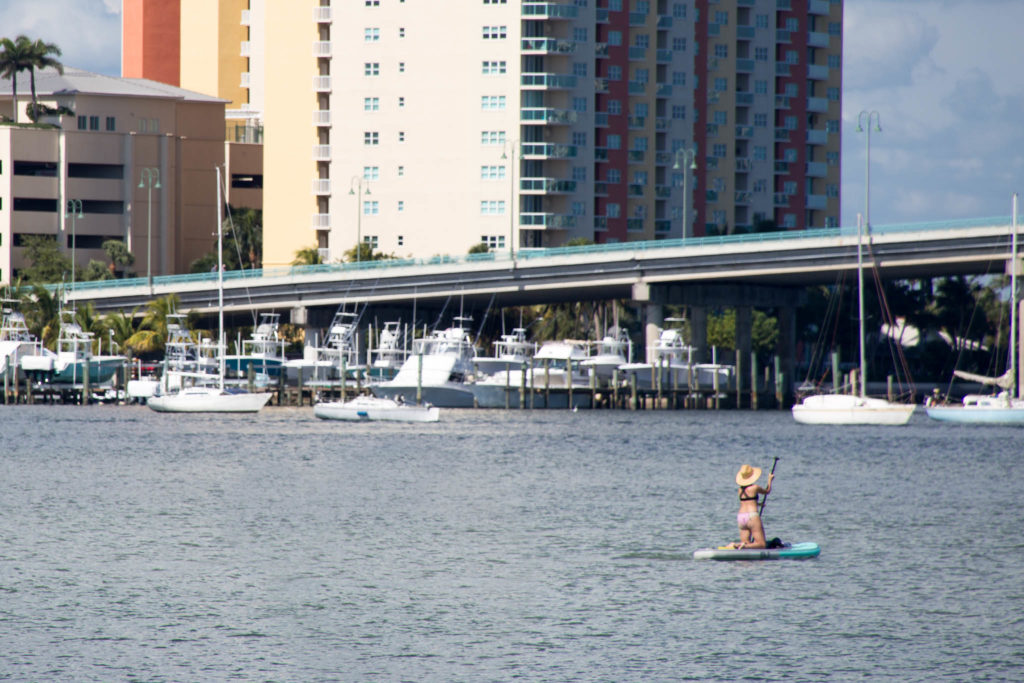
<point x="322" y="83"/>
<point x="743" y="164"/>
<point x="819" y="7"/>
<point x="781" y="102"/>
<point x="324" y="253"/>
<point x="744" y="132"/>
<point x="548" y="46"/>
<point x="322" y="48"/>
<point x="745" y="32"/>
<point x="321" y="221"/>
<point x="542" y="81"/>
<point x="600" y="223"/>
<point x="817" y="202"/>
<point x="322" y="15"/>
<point x="817" y="169"/>
<point x="663" y="158"/>
<point x="817" y="39"/>
<point x="245" y="80"/>
<point x="321" y="152"/>
<point x="744" y="66"/>
<point x="634" y="224"/>
<point x="782" y="69"/>
<point x="546" y="150"/>
<point x="638" y="53"/>
<point x="600" y="154"/>
<point x="782" y="36"/>
<point x="601" y="15"/>
<point x="322" y="117"/>
<point x="601" y="50"/>
<point x="638" y="18"/>
<point x="744" y="99"/>
<point x="549" y="10"/>
<point x="635" y="190"/>
<point x="817" y="104"/>
<point x="661" y="123"/>
<point x="637" y="87"/>
<point x="781" y="135"/>
<point x="664" y="56"/>
<point x="742" y="197"/>
<point x="246" y="19"/>
<point x="547" y="220"/>
<point x="664" y="22"/>
<point x="664" y="90"/>
<point x="637" y="122"/>
<point x="245" y="49"/>
<point x="636" y="156"/>
<point x="600" y="189"/>
<point x="817" y="137"/>
<point x="558" y="117"/>
<point x="600" y="119"/>
<point x="780" y="199"/>
<point x="662" y="225"/>
<point x="663" y="192"/>
<point x="600" y="85"/>
<point x="321" y="186"/>
<point x="781" y="167"/>
<point x="546" y="186"/>
<point x="817" y="72"/>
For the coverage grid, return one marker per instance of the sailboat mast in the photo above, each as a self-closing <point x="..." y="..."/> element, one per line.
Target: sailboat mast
<point x="220" y="287"/>
<point x="1014" y="345"/>
<point x="860" y="307"/>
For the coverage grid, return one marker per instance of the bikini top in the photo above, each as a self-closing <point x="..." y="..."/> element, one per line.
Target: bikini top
<point x="753" y="498"/>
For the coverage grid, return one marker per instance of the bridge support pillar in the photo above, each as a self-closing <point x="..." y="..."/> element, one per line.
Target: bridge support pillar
<point x="786" y="349"/>
<point x="744" y="332"/>
<point x="699" y="333"/>
<point x="654" y="319"/>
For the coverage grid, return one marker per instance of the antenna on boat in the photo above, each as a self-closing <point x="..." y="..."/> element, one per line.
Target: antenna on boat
<point x="1014" y="352"/>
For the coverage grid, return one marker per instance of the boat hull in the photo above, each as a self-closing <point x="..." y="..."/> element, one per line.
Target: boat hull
<point x="448" y="396"/>
<point x="796" y="551"/>
<point x="208" y="400"/>
<point x="493" y="396"/>
<point x="980" y="415"/>
<point x="843" y="409"/>
<point x="376" y="409"/>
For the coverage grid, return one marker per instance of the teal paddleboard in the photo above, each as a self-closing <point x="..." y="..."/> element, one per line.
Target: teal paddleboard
<point x="795" y="551"/>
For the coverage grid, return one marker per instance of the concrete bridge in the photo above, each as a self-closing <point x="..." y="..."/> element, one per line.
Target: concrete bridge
<point x="767" y="270"/>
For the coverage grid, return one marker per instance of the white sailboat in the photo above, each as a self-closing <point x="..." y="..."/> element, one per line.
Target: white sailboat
<point x="207" y="398"/>
<point x="854" y="408"/>
<point x="1007" y="406"/>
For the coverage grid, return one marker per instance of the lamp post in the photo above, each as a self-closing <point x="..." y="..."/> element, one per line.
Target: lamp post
<point x="149" y="178"/>
<point x="509" y="153"/>
<point x="689" y="156"/>
<point x="356" y="188"/>
<point x="74" y="207"/>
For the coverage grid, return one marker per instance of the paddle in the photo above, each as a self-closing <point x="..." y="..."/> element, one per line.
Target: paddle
<point x="763" y="502"/>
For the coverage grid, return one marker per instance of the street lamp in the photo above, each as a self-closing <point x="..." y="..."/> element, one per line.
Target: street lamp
<point x="509" y="153"/>
<point x="689" y="164"/>
<point x="864" y="120"/>
<point x="149" y="178"/>
<point x="356" y="188"/>
<point x="74" y="207"/>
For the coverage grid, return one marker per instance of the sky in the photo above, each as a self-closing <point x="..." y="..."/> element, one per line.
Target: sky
<point x="943" y="75"/>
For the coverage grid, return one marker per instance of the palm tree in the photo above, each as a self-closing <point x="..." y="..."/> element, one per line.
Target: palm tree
<point x="122" y="324"/>
<point x="15" y="56"/>
<point x="307" y="256"/>
<point x="243" y="239"/>
<point x="42" y="55"/>
<point x="42" y="314"/>
<point x="152" y="332"/>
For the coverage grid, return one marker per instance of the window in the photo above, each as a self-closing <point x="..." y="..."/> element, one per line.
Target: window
<point x="718" y="150"/>
<point x="83" y="124"/>
<point x="492" y="137"/>
<point x="832" y="126"/>
<point x="371" y="207"/>
<point x="494" y="32"/>
<point x="579" y="209"/>
<point x="373" y="3"/>
<point x="640" y="177"/>
<point x="761" y="120"/>
<point x="614" y="142"/>
<point x="579" y="35"/>
<point x="721" y="51"/>
<point x="614" y="73"/>
<point x="492" y="207"/>
<point x="579" y="138"/>
<point x="761" y="20"/>
<point x="401" y="171"/>
<point x="579" y="173"/>
<point x="678" y="78"/>
<point x="579" y="69"/>
<point x="721" y="84"/>
<point x="401" y="240"/>
<point x="833" y="94"/>
<point x="371" y="69"/>
<point x="371" y="172"/>
<point x="495" y="2"/>
<point x="401" y="206"/>
<point x="371" y="138"/>
<point x="722" y="18"/>
<point x="760" y="185"/>
<point x="492" y="102"/>
<point x="792" y="57"/>
<point x="111" y="123"/>
<point x="401" y="67"/>
<point x="721" y="118"/>
<point x="615" y="37"/>
<point x="642" y="40"/>
<point x="789" y="123"/>
<point x="761" y="54"/>
<point x="579" y="104"/>
<point x="789" y="155"/>
<point x="789" y="220"/>
<point x="496" y="67"/>
<point x="401" y="102"/>
<point x="643" y="75"/>
<point x="792" y="90"/>
<point x="492" y="173"/>
<point x="792" y="24"/>
<point x="614" y="107"/>
<point x="760" y="153"/>
<point x="835" y="28"/>
<point x="613" y="210"/>
<point x="401" y="32"/>
<point x="493" y="241"/>
<point x="401" y="136"/>
<point x="679" y="10"/>
<point x="833" y="61"/>
<point x="832" y="158"/>
<point x="679" y="44"/>
<point x="614" y="176"/>
<point x="371" y="104"/>
<point x="94" y="123"/>
<point x="761" y="87"/>
<point x="371" y="35"/>
<point x="678" y="112"/>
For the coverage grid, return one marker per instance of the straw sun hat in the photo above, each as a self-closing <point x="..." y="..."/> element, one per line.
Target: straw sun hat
<point x="748" y="475"/>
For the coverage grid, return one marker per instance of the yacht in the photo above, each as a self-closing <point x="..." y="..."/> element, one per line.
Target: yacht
<point x="554" y="376"/>
<point x="437" y="370"/>
<point x="73" y="358"/>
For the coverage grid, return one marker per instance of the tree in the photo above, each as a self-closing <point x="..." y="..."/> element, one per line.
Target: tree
<point x="243" y="243"/>
<point x="479" y="248"/>
<point x="307" y="256"/>
<point x="15" y="56"/>
<point x="118" y="254"/>
<point x="152" y="332"/>
<point x="97" y="270"/>
<point x="365" y="253"/>
<point x="41" y="56"/>
<point x="48" y="263"/>
<point x="42" y="314"/>
<point x="123" y="326"/>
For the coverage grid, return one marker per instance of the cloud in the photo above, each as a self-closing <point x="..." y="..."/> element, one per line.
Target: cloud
<point x="885" y="46"/>
<point x="87" y="31"/>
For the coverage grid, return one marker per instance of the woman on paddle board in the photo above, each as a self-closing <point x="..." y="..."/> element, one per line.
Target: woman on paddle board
<point x="748" y="519"/>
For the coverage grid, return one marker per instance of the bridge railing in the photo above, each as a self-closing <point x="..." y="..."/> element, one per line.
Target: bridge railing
<point x="531" y="254"/>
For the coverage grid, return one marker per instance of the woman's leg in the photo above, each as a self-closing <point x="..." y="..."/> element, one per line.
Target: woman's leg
<point x="756" y="534"/>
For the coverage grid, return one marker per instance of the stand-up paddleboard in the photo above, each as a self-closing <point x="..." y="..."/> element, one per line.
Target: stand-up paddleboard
<point x="796" y="551"/>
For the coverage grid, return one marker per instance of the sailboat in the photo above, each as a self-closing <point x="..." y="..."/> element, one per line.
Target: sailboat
<point x="207" y="398"/>
<point x="855" y="408"/>
<point x="1007" y="406"/>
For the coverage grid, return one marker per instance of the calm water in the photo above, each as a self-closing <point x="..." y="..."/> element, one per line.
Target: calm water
<point x="537" y="546"/>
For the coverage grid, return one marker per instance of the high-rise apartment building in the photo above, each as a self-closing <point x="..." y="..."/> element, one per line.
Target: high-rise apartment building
<point x="423" y="128"/>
